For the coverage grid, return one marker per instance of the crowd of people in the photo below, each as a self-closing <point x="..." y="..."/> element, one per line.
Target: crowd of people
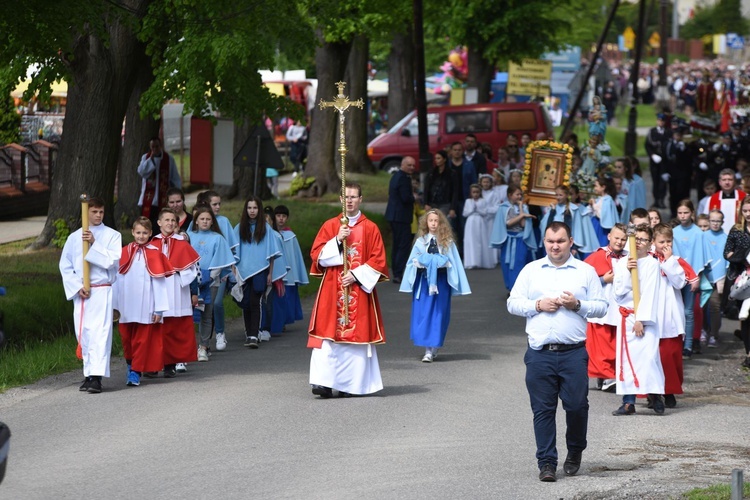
<point x="595" y="308"/>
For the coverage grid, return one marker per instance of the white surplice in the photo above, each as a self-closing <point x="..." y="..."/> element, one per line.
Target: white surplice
<point x="93" y="316"/>
<point x="638" y="358"/>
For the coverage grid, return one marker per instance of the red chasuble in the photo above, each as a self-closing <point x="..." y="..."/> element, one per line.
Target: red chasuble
<point x="365" y="247"/>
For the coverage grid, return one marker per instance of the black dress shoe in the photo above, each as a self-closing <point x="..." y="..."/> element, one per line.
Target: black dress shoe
<point x="572" y="463"/>
<point x="95" y="387"/>
<point x="323" y="392"/>
<point x="670" y="401"/>
<point x="547" y="474"/>
<point x="625" y="409"/>
<point x="396" y="280"/>
<point x="658" y="403"/>
<point x="170" y="372"/>
<point x="85" y="385"/>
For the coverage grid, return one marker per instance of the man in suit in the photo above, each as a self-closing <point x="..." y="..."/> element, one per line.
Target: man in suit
<point x="656" y="142"/>
<point x="400" y="212"/>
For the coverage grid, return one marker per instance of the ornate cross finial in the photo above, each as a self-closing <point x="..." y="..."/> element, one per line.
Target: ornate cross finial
<point x="341" y="102"/>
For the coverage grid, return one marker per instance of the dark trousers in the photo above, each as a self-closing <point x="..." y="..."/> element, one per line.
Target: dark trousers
<point x="679" y="189"/>
<point x="251" y="315"/>
<point x="401" y="247"/>
<point x="551" y="375"/>
<point x="659" y="187"/>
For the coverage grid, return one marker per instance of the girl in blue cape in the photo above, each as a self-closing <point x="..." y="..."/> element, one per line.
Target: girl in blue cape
<point x="603" y="209"/>
<point x="213" y="200"/>
<point x="434" y="272"/>
<point x="215" y="260"/>
<point x="688" y="243"/>
<point x="273" y="317"/>
<point x="256" y="253"/>
<point x="570" y="214"/>
<point x="297" y="274"/>
<point x="514" y="235"/>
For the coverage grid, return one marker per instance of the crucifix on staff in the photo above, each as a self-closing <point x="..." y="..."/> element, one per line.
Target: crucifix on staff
<point x="341" y="103"/>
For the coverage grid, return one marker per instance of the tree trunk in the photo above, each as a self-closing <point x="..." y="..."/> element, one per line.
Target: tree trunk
<point x="244" y="183"/>
<point x="401" y="98"/>
<point x="330" y="63"/>
<point x="481" y="72"/>
<point x="356" y="119"/>
<point x="103" y="75"/>
<point x="138" y="132"/>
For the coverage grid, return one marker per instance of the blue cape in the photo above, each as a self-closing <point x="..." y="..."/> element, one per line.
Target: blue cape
<point x="500" y="230"/>
<point x="457" y="280"/>
<point x="255" y="257"/>
<point x="297" y="274"/>
<point x="213" y="249"/>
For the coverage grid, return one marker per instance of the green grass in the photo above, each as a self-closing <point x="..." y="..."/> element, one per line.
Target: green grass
<point x="374" y="187"/>
<point x="36" y="361"/>
<point x="715" y="492"/>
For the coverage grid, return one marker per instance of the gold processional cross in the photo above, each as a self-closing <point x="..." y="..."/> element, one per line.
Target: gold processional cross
<point x="342" y="103"/>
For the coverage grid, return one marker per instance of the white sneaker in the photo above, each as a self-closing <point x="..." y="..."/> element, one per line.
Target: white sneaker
<point x="181" y="367"/>
<point x="427" y="357"/>
<point x="202" y="354"/>
<point x="221" y="341"/>
<point x="609" y="385"/>
<point x="264" y="335"/>
<point x="712" y="342"/>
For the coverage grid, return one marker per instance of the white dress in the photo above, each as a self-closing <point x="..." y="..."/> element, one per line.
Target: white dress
<point x="477" y="251"/>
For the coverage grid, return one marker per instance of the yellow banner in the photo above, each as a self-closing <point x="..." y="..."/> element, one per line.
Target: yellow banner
<point x="530" y="78"/>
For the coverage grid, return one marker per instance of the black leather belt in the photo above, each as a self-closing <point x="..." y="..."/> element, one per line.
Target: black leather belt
<point x="563" y="347"/>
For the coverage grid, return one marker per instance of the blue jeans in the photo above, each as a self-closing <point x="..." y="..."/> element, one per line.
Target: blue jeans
<point x="688" y="297"/>
<point x="219" y="307"/>
<point x="551" y="375"/>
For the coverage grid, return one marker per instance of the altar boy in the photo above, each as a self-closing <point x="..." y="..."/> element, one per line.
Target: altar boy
<point x="92" y="309"/>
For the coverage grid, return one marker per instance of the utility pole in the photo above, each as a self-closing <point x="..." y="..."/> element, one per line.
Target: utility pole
<point x="662" y="92"/>
<point x="421" y="94"/>
<point x="631" y="136"/>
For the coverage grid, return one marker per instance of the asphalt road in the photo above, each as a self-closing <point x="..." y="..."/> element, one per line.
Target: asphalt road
<point x="245" y="425"/>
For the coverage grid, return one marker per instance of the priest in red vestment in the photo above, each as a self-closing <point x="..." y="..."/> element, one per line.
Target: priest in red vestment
<point x="344" y="358"/>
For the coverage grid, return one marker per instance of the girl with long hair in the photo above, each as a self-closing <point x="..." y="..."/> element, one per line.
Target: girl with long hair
<point x="433" y="274"/>
<point x="256" y="253"/>
<point x="215" y="261"/>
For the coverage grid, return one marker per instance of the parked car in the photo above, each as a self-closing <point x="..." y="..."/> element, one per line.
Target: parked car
<point x="490" y="122"/>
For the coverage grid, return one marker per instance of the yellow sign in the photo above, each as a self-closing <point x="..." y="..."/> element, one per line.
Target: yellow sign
<point x="654" y="40"/>
<point x="531" y="78"/>
<point x="629" y="36"/>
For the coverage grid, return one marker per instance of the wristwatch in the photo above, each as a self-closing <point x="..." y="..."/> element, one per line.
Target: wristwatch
<point x="577" y="307"/>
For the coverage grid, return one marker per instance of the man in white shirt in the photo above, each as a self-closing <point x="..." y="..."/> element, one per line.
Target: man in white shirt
<point x="556" y="294"/>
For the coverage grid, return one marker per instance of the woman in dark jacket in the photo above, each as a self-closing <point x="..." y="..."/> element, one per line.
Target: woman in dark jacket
<point x="736" y="251"/>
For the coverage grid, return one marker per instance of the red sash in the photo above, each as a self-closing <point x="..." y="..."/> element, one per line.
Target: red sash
<point x="150" y="192"/>
<point x="625" y="312"/>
